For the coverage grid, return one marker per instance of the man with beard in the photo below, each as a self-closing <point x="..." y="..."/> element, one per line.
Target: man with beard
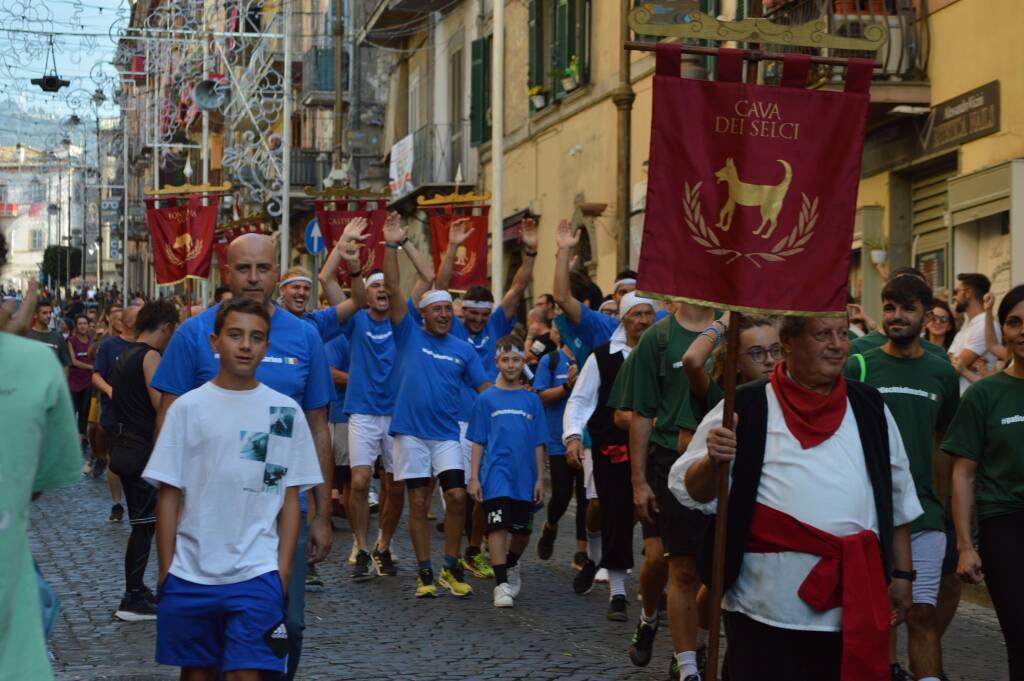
<point x="969" y="343"/>
<point x="434" y="365"/>
<point x="922" y="392"/>
<point x="876" y="338"/>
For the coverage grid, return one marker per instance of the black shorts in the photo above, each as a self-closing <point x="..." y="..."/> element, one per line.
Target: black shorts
<point x="681" y="528"/>
<point x="505" y="513"/>
<point x="141" y="499"/>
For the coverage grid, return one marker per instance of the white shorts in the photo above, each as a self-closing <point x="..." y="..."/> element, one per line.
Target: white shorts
<point x="368" y="438"/>
<point x="928" y="549"/>
<point x="339" y="443"/>
<point x="467" y="449"/>
<point x="588" y="474"/>
<point x="419" y="458"/>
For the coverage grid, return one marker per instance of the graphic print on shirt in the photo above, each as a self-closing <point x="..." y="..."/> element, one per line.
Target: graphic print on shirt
<point x="255" y="446"/>
<point x="494" y="517"/>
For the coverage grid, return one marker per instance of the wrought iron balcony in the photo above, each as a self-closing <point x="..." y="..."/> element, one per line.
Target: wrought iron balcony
<point x="309" y="167"/>
<point x="903" y="57"/>
<point x="438" y="153"/>
<point x="318" y="77"/>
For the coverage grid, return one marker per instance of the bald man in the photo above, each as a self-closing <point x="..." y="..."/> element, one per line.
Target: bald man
<point x="295" y="364"/>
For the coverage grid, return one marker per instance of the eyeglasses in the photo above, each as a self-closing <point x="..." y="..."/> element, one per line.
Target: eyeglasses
<point x="760" y="354"/>
<point x="942" y="319"/>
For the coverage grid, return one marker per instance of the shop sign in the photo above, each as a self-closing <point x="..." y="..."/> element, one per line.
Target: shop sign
<point x="959" y="120"/>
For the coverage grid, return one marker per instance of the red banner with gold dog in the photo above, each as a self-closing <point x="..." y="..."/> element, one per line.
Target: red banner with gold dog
<point x="334" y="216"/>
<point x="470" y="267"/>
<point x="752" y="190"/>
<point x="182" y="233"/>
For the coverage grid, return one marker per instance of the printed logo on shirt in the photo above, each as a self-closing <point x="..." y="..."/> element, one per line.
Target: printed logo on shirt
<point x="677" y="365"/>
<point x="482" y="341"/>
<point x="281" y="360"/>
<point x="1009" y="420"/>
<point x="511" y="412"/>
<point x="378" y="336"/>
<point x="282" y="421"/>
<point x="494" y="517"/>
<point x="914" y="392"/>
<point x="447" y="358"/>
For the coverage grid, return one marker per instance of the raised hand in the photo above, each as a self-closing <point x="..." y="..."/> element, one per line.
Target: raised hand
<point x="355" y="230"/>
<point x="989" y="302"/>
<point x="393" y="229"/>
<point x="459" y="231"/>
<point x="566" y="236"/>
<point x="528" y="234"/>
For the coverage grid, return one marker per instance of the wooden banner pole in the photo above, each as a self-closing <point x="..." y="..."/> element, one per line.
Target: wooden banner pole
<point x="718" y="559"/>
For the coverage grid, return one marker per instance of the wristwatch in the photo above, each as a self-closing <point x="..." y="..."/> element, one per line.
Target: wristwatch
<point x="909" y="575"/>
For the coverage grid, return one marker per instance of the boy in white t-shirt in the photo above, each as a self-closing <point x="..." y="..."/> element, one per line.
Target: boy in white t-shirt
<point x="231" y="460"/>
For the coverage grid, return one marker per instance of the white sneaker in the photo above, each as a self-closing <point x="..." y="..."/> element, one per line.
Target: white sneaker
<point x="352" y="556"/>
<point x="503" y="597"/>
<point x="515" y="580"/>
<point x="601" y="577"/>
<point x="372" y="498"/>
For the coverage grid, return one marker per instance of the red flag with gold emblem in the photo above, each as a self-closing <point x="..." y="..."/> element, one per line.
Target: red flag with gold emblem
<point x="470" y="267"/>
<point x="182" y="234"/>
<point x="334" y="216"/>
<point x="752" y="190"/>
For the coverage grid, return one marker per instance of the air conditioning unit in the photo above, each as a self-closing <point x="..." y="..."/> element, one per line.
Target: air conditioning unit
<point x="894" y="55"/>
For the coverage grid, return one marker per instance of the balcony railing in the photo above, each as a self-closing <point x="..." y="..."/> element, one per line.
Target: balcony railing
<point x="438" y="153"/>
<point x="903" y="56"/>
<point x="309" y="168"/>
<point x="318" y="76"/>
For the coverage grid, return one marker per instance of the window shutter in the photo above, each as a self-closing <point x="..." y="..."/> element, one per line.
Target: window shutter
<point x="488" y="53"/>
<point x="536" y="45"/>
<point x="741" y="10"/>
<point x="478" y="88"/>
<point x="562" y="27"/>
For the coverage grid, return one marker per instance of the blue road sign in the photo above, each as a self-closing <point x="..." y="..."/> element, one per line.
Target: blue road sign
<point x="314" y="237"/>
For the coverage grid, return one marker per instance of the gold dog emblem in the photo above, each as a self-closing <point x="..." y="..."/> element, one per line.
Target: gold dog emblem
<point x="768" y="197"/>
<point x="184" y="242"/>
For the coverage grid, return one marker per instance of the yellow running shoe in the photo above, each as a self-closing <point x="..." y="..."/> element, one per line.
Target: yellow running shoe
<point x="455" y="581"/>
<point x="425" y="587"/>
<point x="479" y="567"/>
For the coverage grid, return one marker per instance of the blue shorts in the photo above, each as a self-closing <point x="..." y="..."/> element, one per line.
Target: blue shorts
<point x="230" y="626"/>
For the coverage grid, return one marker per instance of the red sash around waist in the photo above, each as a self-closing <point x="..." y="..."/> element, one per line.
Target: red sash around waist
<point x="849" y="574"/>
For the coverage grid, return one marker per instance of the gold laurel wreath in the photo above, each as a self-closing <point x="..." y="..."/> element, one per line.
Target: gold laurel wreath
<point x="197" y="248"/>
<point x="469" y="266"/>
<point x="789" y="245"/>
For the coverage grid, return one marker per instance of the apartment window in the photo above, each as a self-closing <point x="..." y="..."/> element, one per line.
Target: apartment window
<point x="559" y="44"/>
<point x="480" y="91"/>
<point x="37" y="239"/>
<point x="414" y="101"/>
<point x="456" y="107"/>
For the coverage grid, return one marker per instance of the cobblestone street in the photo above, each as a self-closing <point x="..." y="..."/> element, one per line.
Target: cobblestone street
<point x="378" y="630"/>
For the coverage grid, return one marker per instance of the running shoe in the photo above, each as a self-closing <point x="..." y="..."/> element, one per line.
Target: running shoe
<point x="87" y="468"/>
<point x="384" y="563"/>
<point x="454" y="580"/>
<point x="515" y="580"/>
<point x="425" y="587"/>
<point x="352" y="555"/>
<point x="579" y="559"/>
<point x="116" y="513"/>
<point x="503" y="597"/>
<point x="617" y="609"/>
<point x="313" y="581"/>
<point x="99" y="465"/>
<point x="898" y="673"/>
<point x="641" y="646"/>
<point x="583" y="582"/>
<point x="702" y="659"/>
<point x="546" y="543"/>
<point x="373" y="501"/>
<point x="602" y="576"/>
<point x="479" y="567"/>
<point x="135" y="607"/>
<point x="361" y="572"/>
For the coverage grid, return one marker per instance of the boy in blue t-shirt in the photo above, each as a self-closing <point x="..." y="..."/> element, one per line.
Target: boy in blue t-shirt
<point x="508" y="431"/>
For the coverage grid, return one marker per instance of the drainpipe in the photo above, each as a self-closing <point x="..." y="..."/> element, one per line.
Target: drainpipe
<point x="623" y="97"/>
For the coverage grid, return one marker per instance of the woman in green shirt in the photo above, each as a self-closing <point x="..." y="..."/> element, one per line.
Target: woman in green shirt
<point x="987" y="439"/>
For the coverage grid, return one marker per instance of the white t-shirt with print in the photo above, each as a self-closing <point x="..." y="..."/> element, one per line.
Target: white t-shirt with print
<point x="971" y="336"/>
<point x="232" y="453"/>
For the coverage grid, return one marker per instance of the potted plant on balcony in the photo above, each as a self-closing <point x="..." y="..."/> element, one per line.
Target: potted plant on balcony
<point x="877" y="250"/>
<point x="569" y="75"/>
<point x="538" y="97"/>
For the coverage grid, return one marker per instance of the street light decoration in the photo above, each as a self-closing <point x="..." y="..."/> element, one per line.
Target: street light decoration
<point x="51" y="81"/>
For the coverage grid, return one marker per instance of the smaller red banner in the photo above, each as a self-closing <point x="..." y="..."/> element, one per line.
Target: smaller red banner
<point x="470" y="267"/>
<point x="333" y="223"/>
<point x="182" y="234"/>
<point x="225" y="237"/>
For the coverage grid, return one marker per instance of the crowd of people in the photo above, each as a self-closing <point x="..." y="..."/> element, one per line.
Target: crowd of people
<point x="873" y="468"/>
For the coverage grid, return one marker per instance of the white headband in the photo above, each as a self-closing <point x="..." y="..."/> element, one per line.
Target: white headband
<point x="631" y="300"/>
<point x="435" y="296"/>
<point x="510" y="351"/>
<point x="477" y="305"/>
<point x="289" y="280"/>
<point x="607" y="303"/>
<point x="374" y="278"/>
<point x="623" y="282"/>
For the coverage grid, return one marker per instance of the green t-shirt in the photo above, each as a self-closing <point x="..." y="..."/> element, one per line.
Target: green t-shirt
<point x="877" y="339"/>
<point x="40" y="452"/>
<point x="989" y="429"/>
<point x="922" y="394"/>
<point x="665" y="399"/>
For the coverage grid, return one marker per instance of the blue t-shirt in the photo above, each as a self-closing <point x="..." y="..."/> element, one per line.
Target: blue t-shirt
<point x="372" y="373"/>
<point x="595" y="328"/>
<point x="430" y="373"/>
<point x="106" y="356"/>
<point x="338" y="358"/>
<point x="326" y="323"/>
<point x="485" y="343"/>
<point x="509" y="424"/>
<point x="544" y="379"/>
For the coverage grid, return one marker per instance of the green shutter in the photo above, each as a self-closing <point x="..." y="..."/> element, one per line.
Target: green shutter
<point x="562" y="40"/>
<point x="741" y="10"/>
<point x="478" y="92"/>
<point x="488" y="52"/>
<point x="536" y="45"/>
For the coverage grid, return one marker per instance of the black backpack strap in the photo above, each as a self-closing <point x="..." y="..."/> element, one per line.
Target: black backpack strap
<point x="661" y="330"/>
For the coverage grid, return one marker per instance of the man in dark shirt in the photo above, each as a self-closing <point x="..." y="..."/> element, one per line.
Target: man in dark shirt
<point x="41" y="332"/>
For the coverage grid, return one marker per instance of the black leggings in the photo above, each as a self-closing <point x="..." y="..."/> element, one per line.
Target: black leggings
<point x="1001" y="546"/>
<point x="615" y="492"/>
<point x="136" y="557"/>
<point x="80" y="403"/>
<point x="565" y="481"/>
